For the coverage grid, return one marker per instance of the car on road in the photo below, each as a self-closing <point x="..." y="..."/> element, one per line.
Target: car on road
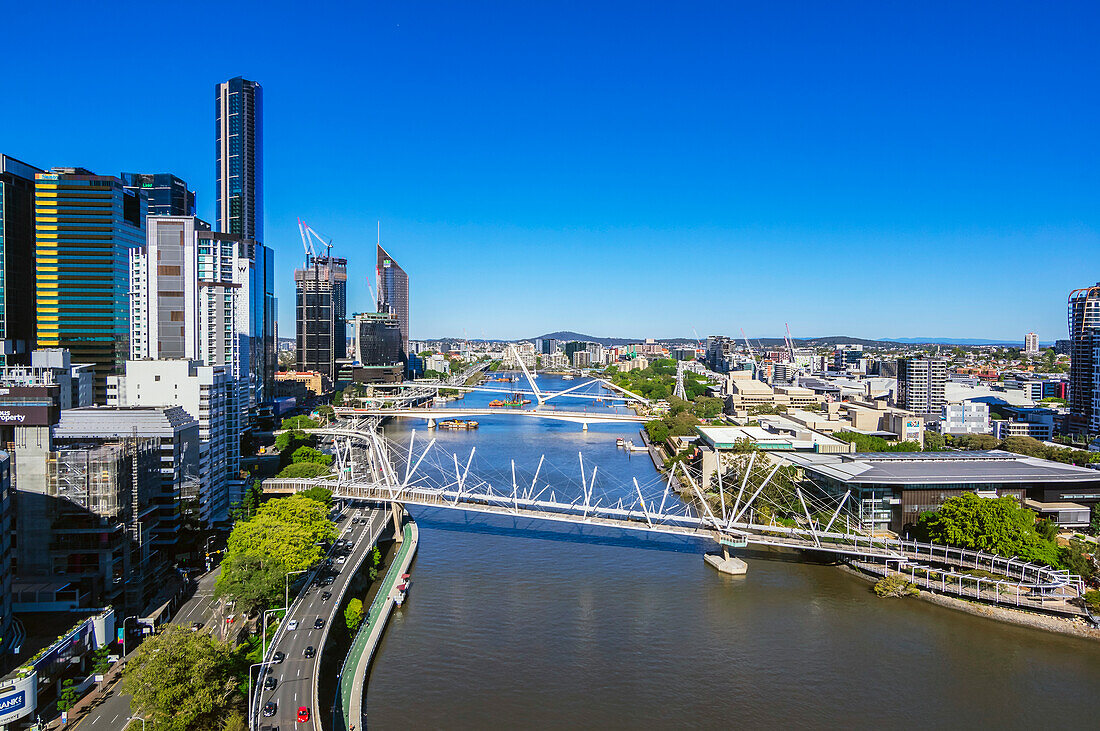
<point x="292" y="626"/>
<point x="309" y="651"/>
<point x="342" y="559"/>
<point x="278" y="657"/>
<point x="271" y="708"/>
<point x="271" y="682"/>
<point x="319" y="623"/>
<point x="303" y="714"/>
<point x="325" y="596"/>
<point x="196" y="626"/>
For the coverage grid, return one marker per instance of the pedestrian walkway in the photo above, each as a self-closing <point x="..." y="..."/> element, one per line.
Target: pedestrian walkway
<point x="354" y="673"/>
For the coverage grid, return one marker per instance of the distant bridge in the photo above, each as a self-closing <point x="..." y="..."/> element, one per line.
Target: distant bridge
<point x="432" y="415"/>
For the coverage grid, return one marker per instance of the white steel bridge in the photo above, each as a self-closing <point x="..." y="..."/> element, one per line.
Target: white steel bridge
<point x="731" y="515"/>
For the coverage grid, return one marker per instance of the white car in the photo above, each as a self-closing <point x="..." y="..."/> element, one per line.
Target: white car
<point x="341" y="559"/>
<point x="293" y="625"/>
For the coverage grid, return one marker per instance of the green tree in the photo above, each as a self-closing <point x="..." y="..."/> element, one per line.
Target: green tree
<point x="309" y="454"/>
<point x="100" y="663"/>
<point x="1077" y="558"/>
<point x="319" y="494"/>
<point x="934" y="442"/>
<point x="67" y="696"/>
<point x="252" y="580"/>
<point x="657" y="431"/>
<point x="182" y="680"/>
<point x="975" y="442"/>
<point x="326" y="412"/>
<point x="235" y="722"/>
<point x="998" y="525"/>
<point x="869" y="443"/>
<point x="298" y="422"/>
<point x="303" y="471"/>
<point x="353" y="614"/>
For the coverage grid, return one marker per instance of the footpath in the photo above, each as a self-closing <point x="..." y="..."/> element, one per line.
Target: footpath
<point x="350" y="714"/>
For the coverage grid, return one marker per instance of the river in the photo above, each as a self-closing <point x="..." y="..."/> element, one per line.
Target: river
<point x="521" y="624"/>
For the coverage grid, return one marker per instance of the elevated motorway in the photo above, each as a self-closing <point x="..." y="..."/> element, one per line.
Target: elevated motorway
<point x="297" y="676"/>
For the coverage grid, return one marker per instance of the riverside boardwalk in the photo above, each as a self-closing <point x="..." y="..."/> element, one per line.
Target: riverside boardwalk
<point x="349" y="712"/>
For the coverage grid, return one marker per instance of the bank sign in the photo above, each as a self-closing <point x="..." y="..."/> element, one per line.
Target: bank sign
<point x="19" y="699"/>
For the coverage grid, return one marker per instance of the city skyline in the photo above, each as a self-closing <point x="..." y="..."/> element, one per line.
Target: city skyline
<point x="953" y="141"/>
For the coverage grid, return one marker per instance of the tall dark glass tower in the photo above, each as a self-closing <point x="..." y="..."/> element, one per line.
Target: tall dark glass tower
<point x="1084" y="338"/>
<point x="321" y="314"/>
<point x="239" y="158"/>
<point x="17" y="261"/>
<point x="167" y="194"/>
<point x="393" y="295"/>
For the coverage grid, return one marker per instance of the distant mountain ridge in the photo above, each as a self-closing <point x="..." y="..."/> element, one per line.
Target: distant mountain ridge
<point x="823" y="341"/>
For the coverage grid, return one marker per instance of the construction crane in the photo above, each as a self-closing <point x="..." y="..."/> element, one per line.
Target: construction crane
<point x="790" y="343"/>
<point x="308" y="234"/>
<point x="749" y="346"/>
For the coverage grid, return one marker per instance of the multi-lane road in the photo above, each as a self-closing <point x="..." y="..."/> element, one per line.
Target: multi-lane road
<point x="295" y="678"/>
<point x="110" y="714"/>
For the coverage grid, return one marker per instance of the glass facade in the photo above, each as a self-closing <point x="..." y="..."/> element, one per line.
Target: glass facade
<point x="167" y="195"/>
<point x="321" y="314"/>
<point x="378" y="339"/>
<point x="17" y="261"/>
<point x="238" y="155"/>
<point x="393" y="295"/>
<point x="87" y="225"/>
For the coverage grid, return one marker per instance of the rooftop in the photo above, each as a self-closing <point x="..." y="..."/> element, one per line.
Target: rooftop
<point x="941" y="468"/>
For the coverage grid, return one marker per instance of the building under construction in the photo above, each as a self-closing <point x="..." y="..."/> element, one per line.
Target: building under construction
<point x="92" y="527"/>
<point x="320" y="309"/>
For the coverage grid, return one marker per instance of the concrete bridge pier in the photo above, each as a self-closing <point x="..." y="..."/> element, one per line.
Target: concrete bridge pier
<point x="431" y="423"/>
<point x="727" y="564"/>
<point x="396" y="511"/>
<point x="584" y="426"/>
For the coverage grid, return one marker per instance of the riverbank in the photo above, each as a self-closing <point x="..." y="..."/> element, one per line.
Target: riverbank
<point x="1020" y="617"/>
<point x="353" y="684"/>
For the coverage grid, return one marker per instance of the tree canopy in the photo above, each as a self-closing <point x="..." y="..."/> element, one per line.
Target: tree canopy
<point x="303" y="471"/>
<point x="310" y="454"/>
<point x="870" y="443"/>
<point x="182" y="680"/>
<point x="299" y="422"/>
<point x="998" y="525"/>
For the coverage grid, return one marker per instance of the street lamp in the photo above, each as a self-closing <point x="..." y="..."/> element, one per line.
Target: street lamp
<point x="263" y="646"/>
<point x="137" y="718"/>
<point x="251" y="710"/>
<point x="124" y="632"/>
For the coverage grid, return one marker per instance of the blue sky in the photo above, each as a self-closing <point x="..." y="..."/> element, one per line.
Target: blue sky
<point x="628" y="169"/>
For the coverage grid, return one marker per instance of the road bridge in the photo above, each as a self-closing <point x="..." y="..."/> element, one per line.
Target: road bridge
<point x="432" y="415"/>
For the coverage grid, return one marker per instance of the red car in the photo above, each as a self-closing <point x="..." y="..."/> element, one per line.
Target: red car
<point x="303" y="714"/>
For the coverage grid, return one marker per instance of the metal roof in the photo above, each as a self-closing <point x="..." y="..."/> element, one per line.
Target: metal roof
<point x="940" y="468"/>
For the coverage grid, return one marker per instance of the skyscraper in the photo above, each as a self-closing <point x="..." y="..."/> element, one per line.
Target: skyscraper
<point x="239" y="158"/>
<point x="17" y="268"/>
<point x="321" y="314"/>
<point x="1031" y="344"/>
<point x="1084" y="339"/>
<point x="921" y="384"/>
<point x="393" y="295"/>
<point x="167" y="194"/>
<point x="87" y="225"/>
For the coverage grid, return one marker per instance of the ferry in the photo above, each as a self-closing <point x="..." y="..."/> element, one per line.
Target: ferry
<point x="457" y="424"/>
<point x="401" y="591"/>
<point x="497" y="403"/>
<point x="568" y="377"/>
<point x="620" y="442"/>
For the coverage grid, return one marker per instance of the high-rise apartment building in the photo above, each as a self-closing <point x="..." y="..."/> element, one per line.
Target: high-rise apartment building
<point x="1084" y="366"/>
<point x="87" y="225"/>
<point x="1031" y="344"/>
<point x="239" y="158"/>
<point x="921" y="384"/>
<point x="17" y="268"/>
<point x="167" y="194"/>
<point x="321" y="314"/>
<point x="393" y="295"/>
<point x="208" y="395"/>
<point x="209" y="297"/>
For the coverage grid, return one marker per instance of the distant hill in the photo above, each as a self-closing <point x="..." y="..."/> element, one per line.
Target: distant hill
<point x="568" y="335"/>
